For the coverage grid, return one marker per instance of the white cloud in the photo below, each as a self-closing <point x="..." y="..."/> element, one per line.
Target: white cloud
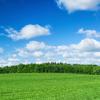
<point x="97" y="54"/>
<point x="82" y="52"/>
<point x="38" y="54"/>
<point x="2" y="62"/>
<point x="87" y="45"/>
<point x="75" y="5"/>
<point x="87" y="51"/>
<point x="28" y="32"/>
<point x="9" y="61"/>
<point x="89" y="33"/>
<point x="34" y="45"/>
<point x="22" y="53"/>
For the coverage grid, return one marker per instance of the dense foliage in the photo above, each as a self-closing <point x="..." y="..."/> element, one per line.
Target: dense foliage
<point x="52" y="68"/>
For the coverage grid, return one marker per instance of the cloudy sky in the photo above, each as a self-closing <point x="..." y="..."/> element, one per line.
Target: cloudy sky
<point x="37" y="31"/>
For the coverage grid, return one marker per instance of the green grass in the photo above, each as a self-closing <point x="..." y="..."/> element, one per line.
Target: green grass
<point x="49" y="87"/>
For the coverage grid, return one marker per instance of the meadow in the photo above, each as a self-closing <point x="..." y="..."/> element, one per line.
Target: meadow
<point x="49" y="86"/>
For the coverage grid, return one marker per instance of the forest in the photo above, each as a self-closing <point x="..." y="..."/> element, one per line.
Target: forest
<point x="51" y="68"/>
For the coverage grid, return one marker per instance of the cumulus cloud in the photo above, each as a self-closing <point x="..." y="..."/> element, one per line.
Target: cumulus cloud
<point x="97" y="54"/>
<point x="34" y="45"/>
<point x="87" y="51"/>
<point x="75" y="5"/>
<point x="89" y="33"/>
<point x="38" y="54"/>
<point x="87" y="45"/>
<point x="9" y="61"/>
<point x="2" y="62"/>
<point x="83" y="52"/>
<point x="22" y="53"/>
<point x="28" y="32"/>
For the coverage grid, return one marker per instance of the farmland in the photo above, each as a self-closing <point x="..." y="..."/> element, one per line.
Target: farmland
<point x="49" y="86"/>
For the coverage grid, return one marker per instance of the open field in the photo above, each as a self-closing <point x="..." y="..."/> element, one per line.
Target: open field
<point x="49" y="86"/>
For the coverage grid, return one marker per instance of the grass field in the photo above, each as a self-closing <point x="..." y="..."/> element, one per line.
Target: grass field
<point x="49" y="87"/>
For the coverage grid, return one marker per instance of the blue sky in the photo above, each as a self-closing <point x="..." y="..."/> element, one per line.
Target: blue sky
<point x="61" y="30"/>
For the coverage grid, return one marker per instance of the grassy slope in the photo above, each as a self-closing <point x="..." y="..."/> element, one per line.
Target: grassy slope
<point x="49" y="87"/>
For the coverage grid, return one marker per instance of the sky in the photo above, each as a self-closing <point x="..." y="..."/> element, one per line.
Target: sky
<point x="39" y="31"/>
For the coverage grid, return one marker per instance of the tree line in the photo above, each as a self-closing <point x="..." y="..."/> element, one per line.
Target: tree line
<point x="51" y="68"/>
